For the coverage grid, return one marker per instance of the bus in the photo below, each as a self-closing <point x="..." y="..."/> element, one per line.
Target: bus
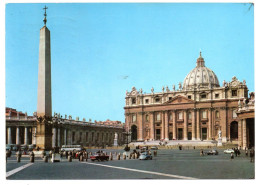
<point x="68" y="148"/>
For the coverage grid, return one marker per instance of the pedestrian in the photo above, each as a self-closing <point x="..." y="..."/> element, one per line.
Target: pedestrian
<point x="201" y="152"/>
<point x="247" y="153"/>
<point x="252" y="155"/>
<point x="238" y="152"/>
<point x="231" y="156"/>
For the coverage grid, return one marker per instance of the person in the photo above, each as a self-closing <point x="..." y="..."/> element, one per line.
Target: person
<point x="246" y="152"/>
<point x="201" y="152"/>
<point x="238" y="152"/>
<point x="231" y="156"/>
<point x="252" y="155"/>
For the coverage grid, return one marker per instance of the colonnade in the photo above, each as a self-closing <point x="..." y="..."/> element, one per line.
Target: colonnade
<point x="18" y="135"/>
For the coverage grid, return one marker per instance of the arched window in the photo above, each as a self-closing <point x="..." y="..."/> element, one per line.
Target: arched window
<point x="217" y="114"/>
<point x="133" y="101"/>
<point x="133" y="133"/>
<point x="180" y="115"/>
<point x="134" y="118"/>
<point x="204" y="114"/>
<point x="158" y="117"/>
<point x="189" y="116"/>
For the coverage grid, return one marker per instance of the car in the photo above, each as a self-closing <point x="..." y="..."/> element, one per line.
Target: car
<point x="154" y="148"/>
<point x="145" y="156"/>
<point x="228" y="151"/>
<point x="212" y="152"/>
<point x="100" y="156"/>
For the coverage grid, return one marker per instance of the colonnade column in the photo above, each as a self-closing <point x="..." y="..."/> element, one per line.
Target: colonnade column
<point x="173" y="125"/>
<point x="166" y="126"/>
<point x="58" y="137"/>
<point x="26" y="135"/>
<point x="9" y="135"/>
<point x="53" y="137"/>
<point x="65" y="136"/>
<point x="240" y="141"/>
<point x="193" y="125"/>
<point x="152" y="126"/>
<point x="18" y="136"/>
<point x="244" y="133"/>
<point x="163" y="123"/>
<point x="185" y="125"/>
<point x="210" y="124"/>
<point x="198" y="124"/>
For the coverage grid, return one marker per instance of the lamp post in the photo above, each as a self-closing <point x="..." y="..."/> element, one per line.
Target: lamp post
<point x="127" y="134"/>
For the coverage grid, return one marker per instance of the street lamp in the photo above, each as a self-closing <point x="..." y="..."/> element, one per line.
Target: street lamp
<point x="127" y="134"/>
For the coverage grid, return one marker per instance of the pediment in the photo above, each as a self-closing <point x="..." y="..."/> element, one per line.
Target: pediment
<point x="179" y="99"/>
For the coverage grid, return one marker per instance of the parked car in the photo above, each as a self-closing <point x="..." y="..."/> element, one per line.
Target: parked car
<point x="212" y="152"/>
<point x="154" y="148"/>
<point x="100" y="156"/>
<point x="145" y="156"/>
<point x="228" y="151"/>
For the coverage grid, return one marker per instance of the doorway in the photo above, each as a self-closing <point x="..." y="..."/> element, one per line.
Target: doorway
<point x="180" y="133"/>
<point x="204" y="133"/>
<point x="158" y="134"/>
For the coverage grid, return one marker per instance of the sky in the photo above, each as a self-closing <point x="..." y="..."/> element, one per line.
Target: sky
<point x="100" y="50"/>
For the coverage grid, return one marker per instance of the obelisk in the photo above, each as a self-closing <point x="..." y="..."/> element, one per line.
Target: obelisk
<point x="44" y="103"/>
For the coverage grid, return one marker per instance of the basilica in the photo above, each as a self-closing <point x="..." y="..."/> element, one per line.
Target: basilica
<point x="199" y="109"/>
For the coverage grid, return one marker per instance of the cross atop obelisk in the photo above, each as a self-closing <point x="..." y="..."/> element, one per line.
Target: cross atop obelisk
<point x="45" y="15"/>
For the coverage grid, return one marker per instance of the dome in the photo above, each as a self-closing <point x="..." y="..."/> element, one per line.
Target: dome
<point x="200" y="76"/>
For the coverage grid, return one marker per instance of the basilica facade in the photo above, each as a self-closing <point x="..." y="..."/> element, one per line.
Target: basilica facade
<point x="198" y="110"/>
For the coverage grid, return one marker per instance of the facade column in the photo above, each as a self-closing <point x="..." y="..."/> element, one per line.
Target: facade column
<point x="34" y="135"/>
<point x="58" y="137"/>
<point x="53" y="137"/>
<point x="210" y="125"/>
<point x="240" y="134"/>
<point x="198" y="125"/>
<point x="163" y="124"/>
<point x="26" y="135"/>
<point x="173" y="125"/>
<point x="193" y="125"/>
<point x="244" y="133"/>
<point x="18" y="136"/>
<point x="65" y="136"/>
<point x="9" y="135"/>
<point x="185" y="125"/>
<point x="152" y="126"/>
<point x="224" y="124"/>
<point x="166" y="126"/>
<point x="140" y="126"/>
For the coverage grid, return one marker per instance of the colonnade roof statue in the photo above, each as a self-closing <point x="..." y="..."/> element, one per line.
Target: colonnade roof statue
<point x="200" y="76"/>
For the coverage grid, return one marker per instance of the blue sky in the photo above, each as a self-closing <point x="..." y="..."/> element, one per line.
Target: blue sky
<point x="94" y="46"/>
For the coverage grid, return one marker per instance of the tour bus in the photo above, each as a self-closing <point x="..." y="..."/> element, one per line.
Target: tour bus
<point x="65" y="148"/>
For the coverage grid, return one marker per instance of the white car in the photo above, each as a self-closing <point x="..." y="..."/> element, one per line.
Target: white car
<point x="228" y="151"/>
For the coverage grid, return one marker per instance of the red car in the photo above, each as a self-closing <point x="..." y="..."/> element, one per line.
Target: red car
<point x="99" y="157"/>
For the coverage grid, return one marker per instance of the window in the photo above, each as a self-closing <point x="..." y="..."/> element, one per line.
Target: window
<point x="189" y="124"/>
<point x="134" y="118"/>
<point x="217" y="114"/>
<point x="146" y="101"/>
<point x="73" y="137"/>
<point x="158" y="117"/>
<point x="157" y="99"/>
<point x="106" y="136"/>
<point x="170" y="98"/>
<point x="189" y="96"/>
<point x="189" y="116"/>
<point x="170" y="117"/>
<point x="203" y="96"/>
<point x="133" y="101"/>
<point x="158" y="124"/>
<point x="102" y="137"/>
<point x="204" y="123"/>
<point x="234" y="92"/>
<point x="216" y="95"/>
<point x="146" y="117"/>
<point x="170" y="125"/>
<point x="180" y="116"/>
<point x="234" y="114"/>
<point x="204" y="114"/>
